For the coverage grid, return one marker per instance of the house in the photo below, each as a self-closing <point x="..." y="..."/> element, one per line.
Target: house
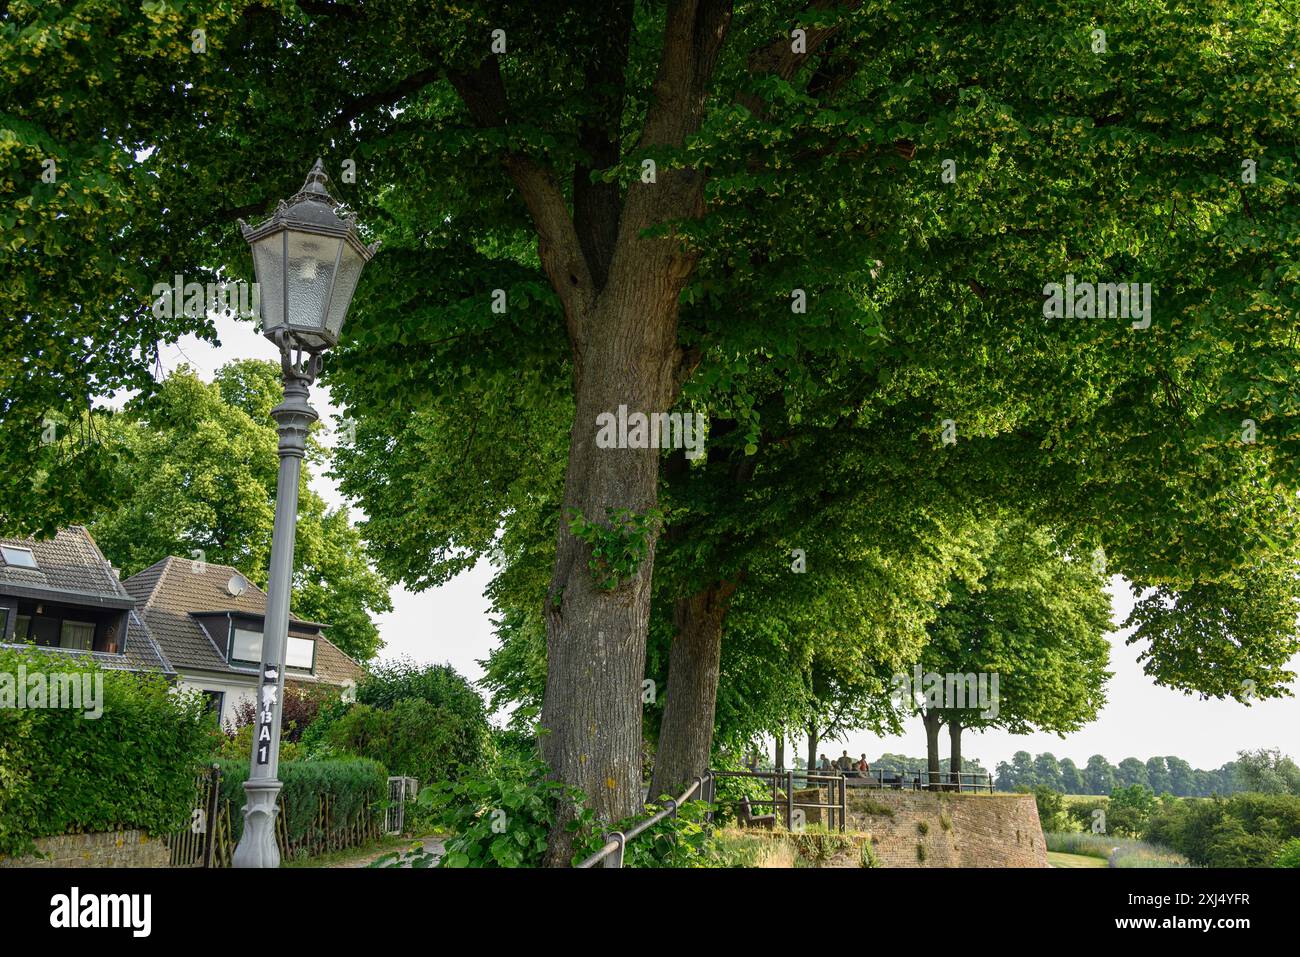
<point x="208" y="620"/>
<point x="198" y="624"/>
<point x="63" y="594"/>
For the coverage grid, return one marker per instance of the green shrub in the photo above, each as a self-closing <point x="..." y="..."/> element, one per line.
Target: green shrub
<point x="132" y="767"/>
<point x="500" y="816"/>
<point x="1289" y="856"/>
<point x="413" y="738"/>
<point x="1130" y="810"/>
<point x="357" y="788"/>
<point x="239" y="745"/>
<point x="681" y="841"/>
<point x="867" y="856"/>
<point x="1052" y="814"/>
<point x="423" y="722"/>
<point x="816" y="844"/>
<point x="1244" y="830"/>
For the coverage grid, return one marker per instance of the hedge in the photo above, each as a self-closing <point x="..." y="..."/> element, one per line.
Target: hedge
<point x="355" y="786"/>
<point x="133" y="767"/>
<point x="425" y="722"/>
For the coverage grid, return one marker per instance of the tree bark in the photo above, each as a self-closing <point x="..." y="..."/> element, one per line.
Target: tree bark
<point x="812" y="748"/>
<point x="933" y="722"/>
<point x="686" y="735"/>
<point x="595" y="638"/>
<point x="954" y="755"/>
<point x="779" y="756"/>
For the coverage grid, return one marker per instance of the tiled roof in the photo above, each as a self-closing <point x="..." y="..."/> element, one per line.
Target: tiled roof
<point x="333" y="665"/>
<point x="70" y="561"/>
<point x="141" y="654"/>
<point x="169" y="592"/>
<point x="72" y="564"/>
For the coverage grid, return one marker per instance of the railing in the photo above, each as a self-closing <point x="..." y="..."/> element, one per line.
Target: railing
<point x="923" y="780"/>
<point x="611" y="854"/>
<point x="836" y="804"/>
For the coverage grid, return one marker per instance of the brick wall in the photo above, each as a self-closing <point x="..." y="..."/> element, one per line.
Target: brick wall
<point x="108" y="849"/>
<point x="939" y="829"/>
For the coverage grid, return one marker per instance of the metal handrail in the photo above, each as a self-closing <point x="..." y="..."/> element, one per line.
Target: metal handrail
<point x="616" y="841"/>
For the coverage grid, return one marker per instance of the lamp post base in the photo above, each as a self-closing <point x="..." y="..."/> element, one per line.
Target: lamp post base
<point x="257" y="847"/>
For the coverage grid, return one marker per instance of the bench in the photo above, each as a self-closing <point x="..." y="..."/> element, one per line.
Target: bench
<point x="748" y="818"/>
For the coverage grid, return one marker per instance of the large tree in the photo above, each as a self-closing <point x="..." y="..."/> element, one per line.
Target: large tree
<point x="790" y="144"/>
<point x="195" y="476"/>
<point x="1034" y="619"/>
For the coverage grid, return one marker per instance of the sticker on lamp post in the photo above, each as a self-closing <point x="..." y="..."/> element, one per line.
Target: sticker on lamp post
<point x="266" y="713"/>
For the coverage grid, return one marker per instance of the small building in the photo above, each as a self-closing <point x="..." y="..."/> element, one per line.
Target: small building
<point x="198" y="624"/>
<point x="208" y="620"/>
<point x="62" y="594"/>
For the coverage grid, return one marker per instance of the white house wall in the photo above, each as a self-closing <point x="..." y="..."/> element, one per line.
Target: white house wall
<point x="234" y="692"/>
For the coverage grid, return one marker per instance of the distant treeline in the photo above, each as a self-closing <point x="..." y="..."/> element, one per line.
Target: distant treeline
<point x="1163" y="775"/>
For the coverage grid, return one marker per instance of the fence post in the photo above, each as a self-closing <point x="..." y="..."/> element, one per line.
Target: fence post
<point x="844" y="803"/>
<point x="789" y="800"/>
<point x="615" y="859"/>
<point x="214" y="791"/>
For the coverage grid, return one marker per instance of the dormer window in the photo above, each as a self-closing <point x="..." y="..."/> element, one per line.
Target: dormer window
<point x="246" y="646"/>
<point x="18" y="557"/>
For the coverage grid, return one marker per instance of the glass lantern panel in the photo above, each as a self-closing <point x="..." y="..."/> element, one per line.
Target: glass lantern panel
<point x="344" y="285"/>
<point x="268" y="263"/>
<point x="310" y="274"/>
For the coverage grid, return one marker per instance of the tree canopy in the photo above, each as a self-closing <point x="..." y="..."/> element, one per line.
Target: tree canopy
<point x="807" y="220"/>
<point x="194" y="475"/>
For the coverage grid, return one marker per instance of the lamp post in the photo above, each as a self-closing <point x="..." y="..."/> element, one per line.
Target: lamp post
<point x="307" y="260"/>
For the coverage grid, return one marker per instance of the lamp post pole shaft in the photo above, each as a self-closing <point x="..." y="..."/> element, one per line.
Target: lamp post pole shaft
<point x="257" y="847"/>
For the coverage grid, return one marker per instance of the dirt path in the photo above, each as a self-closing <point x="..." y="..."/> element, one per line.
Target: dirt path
<point x="431" y="845"/>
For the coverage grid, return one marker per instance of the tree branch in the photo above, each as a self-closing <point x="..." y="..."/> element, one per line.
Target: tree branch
<point x="558" y="247"/>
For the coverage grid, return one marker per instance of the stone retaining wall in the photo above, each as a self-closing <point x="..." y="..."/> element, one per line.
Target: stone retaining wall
<point x="942" y="829"/>
<point x="107" y="849"/>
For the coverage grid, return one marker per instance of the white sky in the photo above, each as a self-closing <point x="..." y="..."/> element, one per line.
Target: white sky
<point x="450" y="624"/>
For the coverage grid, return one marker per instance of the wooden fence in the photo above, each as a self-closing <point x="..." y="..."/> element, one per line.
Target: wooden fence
<point x="208" y="841"/>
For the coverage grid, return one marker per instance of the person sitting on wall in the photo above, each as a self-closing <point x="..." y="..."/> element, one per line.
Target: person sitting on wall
<point x="845" y="764"/>
<point x="824" y="765"/>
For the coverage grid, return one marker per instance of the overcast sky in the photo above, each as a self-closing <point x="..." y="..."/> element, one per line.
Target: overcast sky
<point x="451" y="624"/>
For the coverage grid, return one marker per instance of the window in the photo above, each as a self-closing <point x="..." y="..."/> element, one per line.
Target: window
<point x="4" y="624"/>
<point x="78" y="634"/>
<point x="45" y="631"/>
<point x="22" y="627"/>
<point x="301" y="653"/>
<point x="215" y="701"/>
<point x="18" y="557"/>
<point x="247" y="646"/>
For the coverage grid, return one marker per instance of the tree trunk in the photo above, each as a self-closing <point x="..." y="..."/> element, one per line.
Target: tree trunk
<point x="812" y="749"/>
<point x="954" y="755"/>
<point x="933" y="722"/>
<point x="686" y="735"/>
<point x="780" y="752"/>
<point x="595" y="636"/>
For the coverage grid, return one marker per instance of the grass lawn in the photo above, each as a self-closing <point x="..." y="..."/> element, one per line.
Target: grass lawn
<point x="1061" y="859"/>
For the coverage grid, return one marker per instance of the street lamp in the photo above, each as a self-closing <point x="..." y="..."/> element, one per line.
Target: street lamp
<point x="307" y="260"/>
